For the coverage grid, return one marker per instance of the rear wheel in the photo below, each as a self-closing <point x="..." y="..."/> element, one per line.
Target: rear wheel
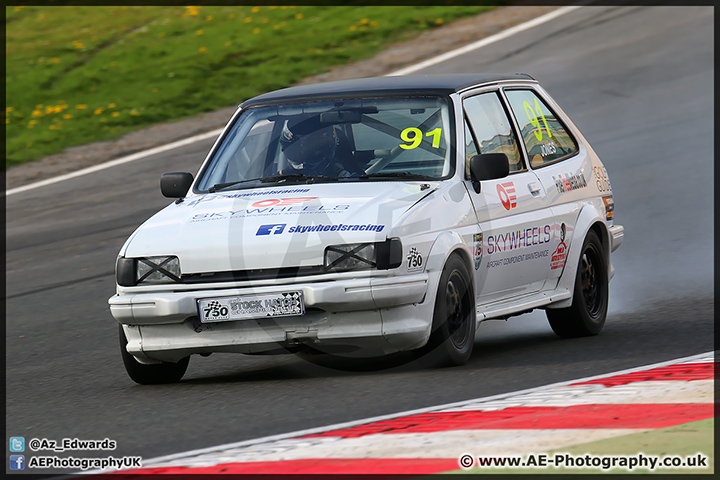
<point x="151" y="374"/>
<point x="586" y="316"/>
<point x="453" y="329"/>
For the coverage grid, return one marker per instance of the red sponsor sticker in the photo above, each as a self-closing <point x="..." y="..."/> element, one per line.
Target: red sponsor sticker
<point x="506" y="192"/>
<point x="558" y="257"/>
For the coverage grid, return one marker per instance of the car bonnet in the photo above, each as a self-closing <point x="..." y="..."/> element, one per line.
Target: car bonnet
<point x="274" y="227"/>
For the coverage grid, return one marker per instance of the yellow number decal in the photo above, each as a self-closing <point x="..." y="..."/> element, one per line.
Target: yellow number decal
<point x="533" y="119"/>
<point x="532" y="116"/>
<point x="411" y="135"/>
<point x="539" y="111"/>
<point x="436" y="137"/>
<point x="414" y="137"/>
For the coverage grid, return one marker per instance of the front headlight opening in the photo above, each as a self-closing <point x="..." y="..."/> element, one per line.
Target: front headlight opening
<point x="147" y="270"/>
<point x="153" y="270"/>
<point x="364" y="256"/>
<point x="352" y="256"/>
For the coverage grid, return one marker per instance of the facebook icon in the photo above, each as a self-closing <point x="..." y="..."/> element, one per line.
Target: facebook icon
<point x="273" y="229"/>
<point x="17" y="462"/>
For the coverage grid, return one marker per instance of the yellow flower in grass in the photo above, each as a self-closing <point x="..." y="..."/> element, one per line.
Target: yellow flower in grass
<point x="32" y="123"/>
<point x="364" y="21"/>
<point x="37" y="113"/>
<point x="439" y="21"/>
<point x="199" y="32"/>
<point x="9" y="109"/>
<point x="80" y="106"/>
<point x="209" y="17"/>
<point x="134" y="112"/>
<point x="99" y="111"/>
<point x="191" y="11"/>
<point x="67" y="116"/>
<point x="202" y="49"/>
<point x="7" y="120"/>
<point x="298" y="16"/>
<point x="116" y="114"/>
<point x="112" y="105"/>
<point x="248" y="19"/>
<point x="256" y="31"/>
<point x="55" y="127"/>
<point x="255" y="9"/>
<point x="352" y="28"/>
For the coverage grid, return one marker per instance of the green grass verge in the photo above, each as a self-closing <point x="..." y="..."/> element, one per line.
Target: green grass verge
<point x="77" y="74"/>
<point x="685" y="440"/>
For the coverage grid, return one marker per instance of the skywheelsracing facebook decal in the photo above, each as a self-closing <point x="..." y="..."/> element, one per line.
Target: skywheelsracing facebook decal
<point x="280" y="228"/>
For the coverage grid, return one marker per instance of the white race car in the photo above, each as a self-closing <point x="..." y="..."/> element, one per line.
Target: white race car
<point x="373" y="215"/>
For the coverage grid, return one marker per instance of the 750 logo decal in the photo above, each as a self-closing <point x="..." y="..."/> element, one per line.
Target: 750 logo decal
<point x="415" y="260"/>
<point x="506" y="192"/>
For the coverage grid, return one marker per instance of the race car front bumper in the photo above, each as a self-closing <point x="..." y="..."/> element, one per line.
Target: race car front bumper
<point x="385" y="313"/>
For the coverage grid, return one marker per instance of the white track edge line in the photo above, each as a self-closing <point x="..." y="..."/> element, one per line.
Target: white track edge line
<point x="353" y="423"/>
<point x="485" y="41"/>
<point x="118" y="161"/>
<point x="404" y="71"/>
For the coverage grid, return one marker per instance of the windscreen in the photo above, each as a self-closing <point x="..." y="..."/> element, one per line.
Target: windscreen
<point x="349" y="140"/>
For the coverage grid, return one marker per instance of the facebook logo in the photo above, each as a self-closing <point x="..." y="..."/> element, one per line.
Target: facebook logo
<point x="17" y="444"/>
<point x="17" y="462"/>
<point x="274" y="229"/>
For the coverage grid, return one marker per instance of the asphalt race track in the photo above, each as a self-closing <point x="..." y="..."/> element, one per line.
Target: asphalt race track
<point x="637" y="81"/>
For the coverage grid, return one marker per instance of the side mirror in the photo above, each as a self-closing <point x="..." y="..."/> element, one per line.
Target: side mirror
<point x="175" y="185"/>
<point x="488" y="166"/>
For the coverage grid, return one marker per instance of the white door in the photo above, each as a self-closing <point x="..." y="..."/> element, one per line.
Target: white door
<point x="513" y="212"/>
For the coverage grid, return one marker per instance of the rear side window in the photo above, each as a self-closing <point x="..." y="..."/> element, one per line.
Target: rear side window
<point x="546" y="139"/>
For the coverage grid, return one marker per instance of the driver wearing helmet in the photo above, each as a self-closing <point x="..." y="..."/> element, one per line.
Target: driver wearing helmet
<point x="313" y="149"/>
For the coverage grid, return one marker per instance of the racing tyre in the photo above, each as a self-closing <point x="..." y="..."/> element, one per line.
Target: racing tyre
<point x="453" y="328"/>
<point x="586" y="316"/>
<point x="151" y="374"/>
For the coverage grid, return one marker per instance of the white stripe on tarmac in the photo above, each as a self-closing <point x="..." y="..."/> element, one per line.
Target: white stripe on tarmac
<point x="486" y="41"/>
<point x="197" y="138"/>
<point x="119" y="161"/>
<point x="701" y="358"/>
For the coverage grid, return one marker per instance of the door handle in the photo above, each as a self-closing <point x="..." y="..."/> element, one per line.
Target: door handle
<point x="534" y="188"/>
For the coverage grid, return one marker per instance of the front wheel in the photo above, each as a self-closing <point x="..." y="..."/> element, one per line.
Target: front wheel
<point x="453" y="327"/>
<point x="586" y="316"/>
<point x="151" y="374"/>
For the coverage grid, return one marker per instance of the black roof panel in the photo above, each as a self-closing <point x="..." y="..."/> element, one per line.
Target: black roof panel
<point x="443" y="84"/>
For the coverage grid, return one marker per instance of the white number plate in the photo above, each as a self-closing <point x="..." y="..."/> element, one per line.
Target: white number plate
<point x="226" y="309"/>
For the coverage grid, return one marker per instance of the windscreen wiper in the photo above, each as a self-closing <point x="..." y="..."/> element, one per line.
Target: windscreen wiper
<point x="298" y="176"/>
<point x="275" y="178"/>
<point x="404" y="175"/>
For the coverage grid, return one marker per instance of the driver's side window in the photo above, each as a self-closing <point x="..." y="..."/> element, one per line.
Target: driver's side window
<point x="488" y="130"/>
